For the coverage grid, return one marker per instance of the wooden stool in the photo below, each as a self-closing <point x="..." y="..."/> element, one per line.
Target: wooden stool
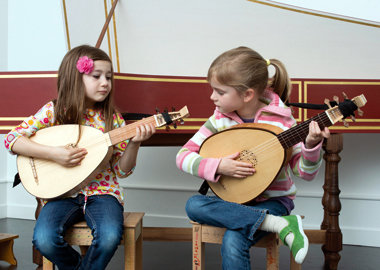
<point x="80" y="234"/>
<point x="6" y="248"/>
<point x="209" y="234"/>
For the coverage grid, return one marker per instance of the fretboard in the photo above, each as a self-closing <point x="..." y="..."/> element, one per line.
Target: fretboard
<point x="299" y="133"/>
<point x="128" y="131"/>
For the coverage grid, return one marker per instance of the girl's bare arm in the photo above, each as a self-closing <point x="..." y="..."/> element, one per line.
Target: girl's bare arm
<point x="63" y="155"/>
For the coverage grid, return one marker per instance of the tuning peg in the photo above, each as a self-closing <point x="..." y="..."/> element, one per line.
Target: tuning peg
<point x="167" y="128"/>
<point x="166" y="109"/>
<point x="360" y="112"/>
<point x="173" y="109"/>
<point x="181" y="121"/>
<point x="157" y="110"/>
<point x="336" y="99"/>
<point x="174" y="125"/>
<point x="327" y="102"/>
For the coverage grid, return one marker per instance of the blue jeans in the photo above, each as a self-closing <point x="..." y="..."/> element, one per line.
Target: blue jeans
<point x="242" y="223"/>
<point x="104" y="215"/>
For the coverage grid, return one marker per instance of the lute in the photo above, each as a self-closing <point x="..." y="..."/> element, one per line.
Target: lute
<point x="268" y="148"/>
<point x="47" y="179"/>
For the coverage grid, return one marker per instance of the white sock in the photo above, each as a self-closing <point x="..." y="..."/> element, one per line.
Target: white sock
<point x="275" y="224"/>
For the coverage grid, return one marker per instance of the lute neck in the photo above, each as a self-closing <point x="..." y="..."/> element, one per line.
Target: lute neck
<point x="299" y="133"/>
<point x="129" y="131"/>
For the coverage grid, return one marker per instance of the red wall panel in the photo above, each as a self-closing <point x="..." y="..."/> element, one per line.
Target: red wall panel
<point x="22" y="94"/>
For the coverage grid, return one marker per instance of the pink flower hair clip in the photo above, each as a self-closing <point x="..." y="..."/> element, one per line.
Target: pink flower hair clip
<point x="85" y="65"/>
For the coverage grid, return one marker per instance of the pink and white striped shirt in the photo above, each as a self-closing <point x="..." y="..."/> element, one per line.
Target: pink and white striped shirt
<point x="304" y="163"/>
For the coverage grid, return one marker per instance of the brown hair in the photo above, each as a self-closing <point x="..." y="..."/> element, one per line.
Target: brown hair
<point x="243" y="68"/>
<point x="70" y="104"/>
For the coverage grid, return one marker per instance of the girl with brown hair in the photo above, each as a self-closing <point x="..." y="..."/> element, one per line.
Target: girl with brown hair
<point x="85" y="87"/>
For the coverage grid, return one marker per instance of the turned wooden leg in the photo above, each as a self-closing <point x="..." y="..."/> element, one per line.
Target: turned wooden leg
<point x="326" y="188"/>
<point x="331" y="202"/>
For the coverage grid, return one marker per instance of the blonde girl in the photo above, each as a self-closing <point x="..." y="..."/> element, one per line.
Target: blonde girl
<point x="243" y="93"/>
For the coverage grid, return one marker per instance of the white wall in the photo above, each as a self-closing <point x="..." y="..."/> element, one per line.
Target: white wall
<point x="3" y="183"/>
<point x="188" y="37"/>
<point x="3" y="67"/>
<point x="364" y="9"/>
<point x="3" y="34"/>
<point x="182" y="38"/>
<point x="35" y="32"/>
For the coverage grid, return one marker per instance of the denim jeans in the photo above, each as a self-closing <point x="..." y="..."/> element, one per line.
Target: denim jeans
<point x="104" y="215"/>
<point x="242" y="223"/>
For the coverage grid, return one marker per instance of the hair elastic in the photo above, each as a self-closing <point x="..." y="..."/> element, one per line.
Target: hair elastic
<point x="268" y="62"/>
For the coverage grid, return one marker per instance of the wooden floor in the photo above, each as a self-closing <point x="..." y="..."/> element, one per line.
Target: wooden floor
<point x="177" y="256"/>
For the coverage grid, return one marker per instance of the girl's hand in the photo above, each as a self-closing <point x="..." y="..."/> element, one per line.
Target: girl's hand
<point x="128" y="160"/>
<point x="68" y="156"/>
<point x="143" y="132"/>
<point x="230" y="167"/>
<point x="315" y="135"/>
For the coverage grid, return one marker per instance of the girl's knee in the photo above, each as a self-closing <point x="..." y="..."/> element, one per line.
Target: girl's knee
<point x="47" y="240"/>
<point x="194" y="206"/>
<point x="108" y="241"/>
<point x="109" y="235"/>
<point x="200" y="203"/>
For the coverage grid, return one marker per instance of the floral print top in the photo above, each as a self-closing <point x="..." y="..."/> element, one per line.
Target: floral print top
<point x="106" y="181"/>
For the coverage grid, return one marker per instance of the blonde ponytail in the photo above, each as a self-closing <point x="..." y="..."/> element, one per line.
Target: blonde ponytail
<point x="243" y="68"/>
<point x="280" y="82"/>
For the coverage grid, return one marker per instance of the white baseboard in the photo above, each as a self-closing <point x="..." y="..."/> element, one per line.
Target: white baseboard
<point x="361" y="237"/>
<point x="354" y="236"/>
<point x="21" y="211"/>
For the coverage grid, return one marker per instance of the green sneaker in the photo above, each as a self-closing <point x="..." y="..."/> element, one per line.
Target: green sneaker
<point x="300" y="243"/>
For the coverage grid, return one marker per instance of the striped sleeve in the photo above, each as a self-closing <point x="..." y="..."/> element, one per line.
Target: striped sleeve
<point x="305" y="163"/>
<point x="189" y="160"/>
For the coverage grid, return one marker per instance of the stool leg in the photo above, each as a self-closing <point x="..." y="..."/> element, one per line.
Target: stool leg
<point x="47" y="265"/>
<point x="6" y="253"/>
<point x="83" y="250"/>
<point x="37" y="257"/>
<point x="139" y="248"/>
<point x="293" y="264"/>
<point x="273" y="252"/>
<point x="129" y="249"/>
<point x="198" y="248"/>
<point x="133" y="240"/>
